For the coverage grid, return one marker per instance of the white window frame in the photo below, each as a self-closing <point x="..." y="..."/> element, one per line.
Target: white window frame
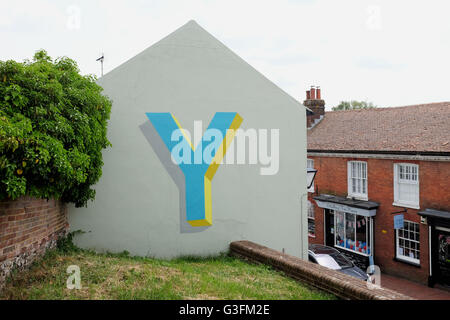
<point x="397" y="181"/>
<point x="403" y="257"/>
<point x="311" y="218"/>
<point x="351" y="194"/>
<point x="308" y="162"/>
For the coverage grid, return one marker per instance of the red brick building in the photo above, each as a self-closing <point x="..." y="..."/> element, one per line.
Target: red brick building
<point x="377" y="164"/>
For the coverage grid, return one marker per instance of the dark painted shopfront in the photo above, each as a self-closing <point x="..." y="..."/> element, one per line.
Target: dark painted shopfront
<point x="439" y="233"/>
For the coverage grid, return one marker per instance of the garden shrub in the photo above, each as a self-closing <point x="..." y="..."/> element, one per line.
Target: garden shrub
<point x="53" y="123"/>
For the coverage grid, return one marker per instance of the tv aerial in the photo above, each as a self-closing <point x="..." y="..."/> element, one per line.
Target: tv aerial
<point x="101" y="61"/>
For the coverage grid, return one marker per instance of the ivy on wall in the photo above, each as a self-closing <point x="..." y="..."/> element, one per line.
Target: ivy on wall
<point x="53" y="123"/>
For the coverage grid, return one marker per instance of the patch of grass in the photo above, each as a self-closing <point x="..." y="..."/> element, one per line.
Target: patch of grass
<point x="120" y="276"/>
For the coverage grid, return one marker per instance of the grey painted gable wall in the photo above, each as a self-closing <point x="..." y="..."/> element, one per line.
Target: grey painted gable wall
<point x="137" y="206"/>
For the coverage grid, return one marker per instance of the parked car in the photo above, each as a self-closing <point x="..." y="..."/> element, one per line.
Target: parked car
<point x="331" y="258"/>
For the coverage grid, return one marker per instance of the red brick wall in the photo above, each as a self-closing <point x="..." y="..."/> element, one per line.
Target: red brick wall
<point x="28" y="227"/>
<point x="434" y="181"/>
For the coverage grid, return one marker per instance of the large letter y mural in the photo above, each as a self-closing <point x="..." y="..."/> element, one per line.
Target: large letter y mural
<point x="198" y="164"/>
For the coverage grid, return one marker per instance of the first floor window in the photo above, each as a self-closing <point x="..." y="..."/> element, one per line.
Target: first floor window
<point x="408" y="242"/>
<point x="352" y="232"/>
<point x="357" y="179"/>
<point x="406" y="184"/>
<point x="311" y="220"/>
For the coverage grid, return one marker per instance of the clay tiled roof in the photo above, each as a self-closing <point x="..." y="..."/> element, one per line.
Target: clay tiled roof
<point x="417" y="128"/>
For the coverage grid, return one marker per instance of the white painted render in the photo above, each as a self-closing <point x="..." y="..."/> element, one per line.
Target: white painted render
<point x="137" y="206"/>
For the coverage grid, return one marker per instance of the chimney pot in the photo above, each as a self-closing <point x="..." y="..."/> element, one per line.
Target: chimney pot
<point x="314" y="103"/>
<point x="313" y="93"/>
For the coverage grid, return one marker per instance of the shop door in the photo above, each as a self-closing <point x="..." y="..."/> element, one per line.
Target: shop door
<point x="329" y="227"/>
<point x="443" y="255"/>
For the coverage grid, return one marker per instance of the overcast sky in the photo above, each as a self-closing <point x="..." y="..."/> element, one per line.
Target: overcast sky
<point x="392" y="53"/>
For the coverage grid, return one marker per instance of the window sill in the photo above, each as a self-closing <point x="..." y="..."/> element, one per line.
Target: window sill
<point x="311" y="236"/>
<point x="405" y="205"/>
<point x="414" y="264"/>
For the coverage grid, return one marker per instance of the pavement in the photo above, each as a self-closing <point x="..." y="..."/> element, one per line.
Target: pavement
<point x="413" y="289"/>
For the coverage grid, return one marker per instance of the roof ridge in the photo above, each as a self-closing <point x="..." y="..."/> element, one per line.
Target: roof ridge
<point x="390" y="108"/>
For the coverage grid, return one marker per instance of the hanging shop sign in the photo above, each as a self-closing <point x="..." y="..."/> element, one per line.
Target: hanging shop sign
<point x="399" y="221"/>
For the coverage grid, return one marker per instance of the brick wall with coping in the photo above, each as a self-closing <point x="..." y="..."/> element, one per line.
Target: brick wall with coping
<point x="337" y="283"/>
<point x="28" y="227"/>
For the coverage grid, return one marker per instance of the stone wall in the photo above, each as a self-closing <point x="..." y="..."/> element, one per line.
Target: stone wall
<point x="28" y="227"/>
<point x="337" y="283"/>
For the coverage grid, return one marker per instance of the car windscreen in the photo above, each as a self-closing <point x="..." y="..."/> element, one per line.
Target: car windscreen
<point x="327" y="261"/>
<point x="342" y="261"/>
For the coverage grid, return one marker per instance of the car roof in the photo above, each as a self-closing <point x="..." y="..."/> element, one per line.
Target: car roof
<point x="321" y="249"/>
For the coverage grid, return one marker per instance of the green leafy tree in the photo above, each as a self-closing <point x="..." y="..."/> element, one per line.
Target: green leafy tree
<point x="52" y="130"/>
<point x="353" y="105"/>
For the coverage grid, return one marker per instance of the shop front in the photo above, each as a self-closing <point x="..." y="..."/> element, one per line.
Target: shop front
<point x="439" y="233"/>
<point x="348" y="226"/>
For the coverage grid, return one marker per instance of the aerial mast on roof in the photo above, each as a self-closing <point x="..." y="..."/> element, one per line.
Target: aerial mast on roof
<point x="101" y="61"/>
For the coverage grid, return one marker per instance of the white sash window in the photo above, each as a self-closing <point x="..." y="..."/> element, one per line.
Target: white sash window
<point x="406" y="185"/>
<point x="357" y="179"/>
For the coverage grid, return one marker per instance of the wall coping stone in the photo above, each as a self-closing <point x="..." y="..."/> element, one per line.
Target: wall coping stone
<point x="335" y="282"/>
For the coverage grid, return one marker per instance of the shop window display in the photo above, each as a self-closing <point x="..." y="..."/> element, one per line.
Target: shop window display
<point x="352" y="232"/>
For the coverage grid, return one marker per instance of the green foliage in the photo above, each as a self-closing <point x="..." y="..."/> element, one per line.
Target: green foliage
<point x="52" y="130"/>
<point x="65" y="244"/>
<point x="353" y="105"/>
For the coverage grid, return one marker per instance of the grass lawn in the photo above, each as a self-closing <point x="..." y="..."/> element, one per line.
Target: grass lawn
<point x="119" y="276"/>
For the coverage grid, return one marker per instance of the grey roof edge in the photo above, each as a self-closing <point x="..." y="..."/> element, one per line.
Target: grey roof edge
<point x="194" y="23"/>
<point x="262" y="75"/>
<point x="363" y="204"/>
<point x="123" y="64"/>
<point x="434" y="213"/>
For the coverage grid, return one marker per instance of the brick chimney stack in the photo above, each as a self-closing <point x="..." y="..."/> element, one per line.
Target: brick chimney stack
<point x="315" y="103"/>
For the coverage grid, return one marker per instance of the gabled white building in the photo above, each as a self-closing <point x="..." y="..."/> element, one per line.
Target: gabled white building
<point x="145" y="202"/>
